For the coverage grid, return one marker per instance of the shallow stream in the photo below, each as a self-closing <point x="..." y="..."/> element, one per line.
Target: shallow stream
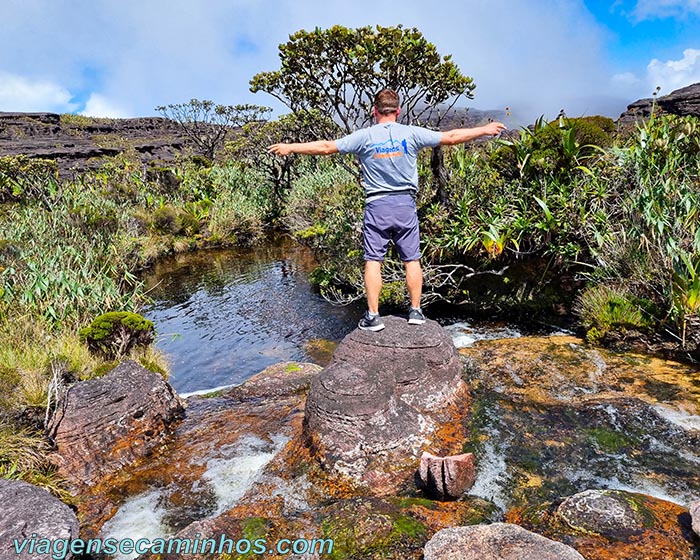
<point x="551" y="416"/>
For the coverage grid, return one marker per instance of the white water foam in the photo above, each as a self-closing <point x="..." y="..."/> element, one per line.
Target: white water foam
<point x="230" y="475"/>
<point x="465" y="335"/>
<point x="208" y="391"/>
<point x="637" y="484"/>
<point x="678" y="416"/>
<point x="140" y="517"/>
<point x="492" y="477"/>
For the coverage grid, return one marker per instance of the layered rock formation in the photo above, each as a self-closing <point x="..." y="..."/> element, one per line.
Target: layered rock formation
<point x="77" y="144"/>
<point x="106" y="423"/>
<point x="384" y="399"/>
<point x="684" y="101"/>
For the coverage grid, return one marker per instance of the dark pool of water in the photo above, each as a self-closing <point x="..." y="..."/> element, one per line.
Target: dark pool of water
<point x="224" y="315"/>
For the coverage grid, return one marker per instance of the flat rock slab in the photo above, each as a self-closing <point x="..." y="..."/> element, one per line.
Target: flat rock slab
<point x="28" y="510"/>
<point x="104" y="424"/>
<point x="498" y="541"/>
<point x="382" y="401"/>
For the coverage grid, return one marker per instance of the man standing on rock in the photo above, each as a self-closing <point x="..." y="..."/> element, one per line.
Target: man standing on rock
<point x="388" y="153"/>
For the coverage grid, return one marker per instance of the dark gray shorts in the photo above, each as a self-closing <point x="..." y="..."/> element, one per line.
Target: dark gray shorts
<point x="391" y="218"/>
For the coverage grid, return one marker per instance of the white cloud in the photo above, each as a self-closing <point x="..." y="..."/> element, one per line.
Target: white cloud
<point x="19" y="93"/>
<point x="625" y="80"/>
<point x="535" y="57"/>
<point x="99" y="106"/>
<point x="659" y="9"/>
<point x="673" y="74"/>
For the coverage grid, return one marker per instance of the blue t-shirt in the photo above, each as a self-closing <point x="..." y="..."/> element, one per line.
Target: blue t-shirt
<point x="388" y="155"/>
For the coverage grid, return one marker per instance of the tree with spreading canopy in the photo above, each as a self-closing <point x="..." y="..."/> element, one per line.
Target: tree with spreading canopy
<point x="208" y="124"/>
<point x="337" y="71"/>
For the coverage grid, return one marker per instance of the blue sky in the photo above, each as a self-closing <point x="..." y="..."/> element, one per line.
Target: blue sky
<point x="122" y="58"/>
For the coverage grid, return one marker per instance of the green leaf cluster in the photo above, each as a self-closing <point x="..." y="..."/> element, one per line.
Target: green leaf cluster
<point x="337" y="71"/>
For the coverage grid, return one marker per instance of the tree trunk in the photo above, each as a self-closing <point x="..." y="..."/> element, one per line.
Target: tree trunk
<point x="440" y="175"/>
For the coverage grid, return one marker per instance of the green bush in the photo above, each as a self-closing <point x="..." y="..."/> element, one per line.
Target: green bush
<point x="114" y="334"/>
<point x="25" y="179"/>
<point x="603" y="309"/>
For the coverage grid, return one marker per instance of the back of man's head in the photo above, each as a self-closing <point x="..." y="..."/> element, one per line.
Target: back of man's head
<point x="386" y="101"/>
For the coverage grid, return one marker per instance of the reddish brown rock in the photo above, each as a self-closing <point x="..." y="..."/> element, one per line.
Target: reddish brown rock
<point x="104" y="424"/>
<point x="446" y="478"/>
<point x="384" y="399"/>
<point x="614" y="524"/>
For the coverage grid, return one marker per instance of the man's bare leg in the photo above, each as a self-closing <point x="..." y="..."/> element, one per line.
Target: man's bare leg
<point x="414" y="282"/>
<point x="373" y="284"/>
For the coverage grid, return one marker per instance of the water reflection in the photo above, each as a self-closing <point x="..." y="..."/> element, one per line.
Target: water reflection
<point x="225" y="315"/>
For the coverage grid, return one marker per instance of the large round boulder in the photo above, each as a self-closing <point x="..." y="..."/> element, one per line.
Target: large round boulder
<point x="497" y="541"/>
<point x="384" y="399"/>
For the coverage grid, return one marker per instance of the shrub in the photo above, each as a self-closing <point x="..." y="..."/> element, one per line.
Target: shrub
<point x="115" y="333"/>
<point x="24" y="179"/>
<point x="605" y="308"/>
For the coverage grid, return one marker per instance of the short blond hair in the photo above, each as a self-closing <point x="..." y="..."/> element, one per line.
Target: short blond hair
<point x="386" y="101"/>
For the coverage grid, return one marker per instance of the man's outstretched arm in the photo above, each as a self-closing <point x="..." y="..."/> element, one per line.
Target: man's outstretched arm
<point x="461" y="135"/>
<point x="316" y="148"/>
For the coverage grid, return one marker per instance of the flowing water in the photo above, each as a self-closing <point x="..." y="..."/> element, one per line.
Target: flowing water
<point x="551" y="416"/>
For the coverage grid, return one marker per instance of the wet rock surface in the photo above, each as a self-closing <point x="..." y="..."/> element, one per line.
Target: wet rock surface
<point x="553" y="417"/>
<point x="550" y="418"/>
<point x="383" y="400"/>
<point x="498" y="541"/>
<point x="104" y="424"/>
<point x="27" y="510"/>
<point x="609" y="513"/>
<point x="635" y="526"/>
<point x="199" y="472"/>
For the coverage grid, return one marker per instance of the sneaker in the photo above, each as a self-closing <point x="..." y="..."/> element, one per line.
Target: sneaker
<point x="415" y="316"/>
<point x="371" y="322"/>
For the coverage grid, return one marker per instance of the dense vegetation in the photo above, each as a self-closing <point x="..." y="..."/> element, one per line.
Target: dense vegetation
<point x="571" y="215"/>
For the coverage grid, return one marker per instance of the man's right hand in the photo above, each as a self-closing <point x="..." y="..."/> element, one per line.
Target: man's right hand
<point x="280" y="149"/>
<point x="493" y="128"/>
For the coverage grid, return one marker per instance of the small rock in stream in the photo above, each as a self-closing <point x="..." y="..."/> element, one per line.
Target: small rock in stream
<point x="445" y="478"/>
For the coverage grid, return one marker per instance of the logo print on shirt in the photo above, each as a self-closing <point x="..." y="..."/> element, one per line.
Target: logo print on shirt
<point x="389" y="149"/>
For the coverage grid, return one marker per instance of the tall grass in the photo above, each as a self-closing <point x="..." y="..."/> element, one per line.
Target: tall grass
<point x="71" y="250"/>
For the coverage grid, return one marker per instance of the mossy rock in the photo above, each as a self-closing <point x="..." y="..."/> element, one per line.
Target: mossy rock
<point x="115" y="333"/>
